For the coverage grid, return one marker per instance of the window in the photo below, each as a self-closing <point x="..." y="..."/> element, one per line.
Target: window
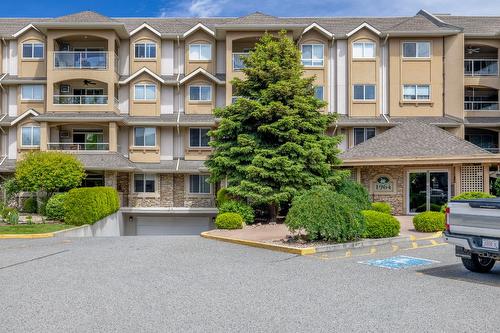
<point x="363" y="50"/>
<point x="364" y="92"/>
<point x="201" y="52"/>
<point x="144" y="183"/>
<point x="234" y="99"/>
<point x="33" y="50"/>
<point x="199" y="184"/>
<point x="198" y="137"/>
<point x="30" y="136"/>
<point x="312" y="55"/>
<point x="412" y="92"/>
<point x="416" y="49"/>
<point x="363" y="134"/>
<point x="145" y="136"/>
<point x="200" y="93"/>
<point x="32" y="92"/>
<point x="145" y="50"/>
<point x="145" y="92"/>
<point x="318" y="92"/>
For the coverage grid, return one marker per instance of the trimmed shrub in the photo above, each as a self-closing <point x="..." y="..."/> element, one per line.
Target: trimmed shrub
<point x="429" y="222"/>
<point x="380" y="225"/>
<point x="468" y="196"/>
<point x="356" y="192"/>
<point x="222" y="197"/>
<point x="10" y="215"/>
<point x="87" y="205"/>
<point x="326" y="215"/>
<point x="233" y="206"/>
<point x="229" y="221"/>
<point x="382" y="207"/>
<point x="55" y="206"/>
<point x="29" y="205"/>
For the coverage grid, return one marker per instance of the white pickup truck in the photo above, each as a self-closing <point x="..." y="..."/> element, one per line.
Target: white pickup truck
<point x="473" y="226"/>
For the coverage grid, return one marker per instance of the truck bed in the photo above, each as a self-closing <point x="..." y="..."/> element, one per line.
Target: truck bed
<point x="478" y="217"/>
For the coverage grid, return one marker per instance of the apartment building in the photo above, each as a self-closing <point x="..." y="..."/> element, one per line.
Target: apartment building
<point x="133" y="99"/>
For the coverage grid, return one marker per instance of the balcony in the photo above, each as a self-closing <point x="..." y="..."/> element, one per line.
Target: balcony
<point x="81" y="100"/>
<point x="480" y="106"/>
<point x="238" y="63"/>
<point x="480" y="67"/>
<point x="81" y="60"/>
<point x="480" y="99"/>
<point x="78" y="146"/>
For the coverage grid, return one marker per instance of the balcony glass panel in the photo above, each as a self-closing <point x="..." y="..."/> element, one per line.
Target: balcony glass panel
<point x="81" y="60"/>
<point x="238" y="60"/>
<point x="81" y="99"/>
<point x="480" y="67"/>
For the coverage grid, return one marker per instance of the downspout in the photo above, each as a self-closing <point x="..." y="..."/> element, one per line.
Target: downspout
<point x="385" y="89"/>
<point x="444" y="81"/>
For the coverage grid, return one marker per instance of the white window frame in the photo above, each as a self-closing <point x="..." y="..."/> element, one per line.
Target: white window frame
<point x="33" y="43"/>
<point x="144" y="136"/>
<point x="363" y="43"/>
<point x="147" y="51"/>
<point x="199" y="184"/>
<point x="365" y="130"/>
<point x="199" y="86"/>
<point x="147" y="176"/>
<point x="31" y="127"/>
<point x="144" y="86"/>
<point x="364" y="92"/>
<point x="200" y="136"/>
<point x="416" y="49"/>
<point x="32" y="86"/>
<point x="416" y="92"/>
<point x="313" y="45"/>
<point x="199" y="45"/>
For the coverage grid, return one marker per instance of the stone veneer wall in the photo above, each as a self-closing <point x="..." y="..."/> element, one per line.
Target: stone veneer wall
<point x="122" y="186"/>
<point x="396" y="199"/>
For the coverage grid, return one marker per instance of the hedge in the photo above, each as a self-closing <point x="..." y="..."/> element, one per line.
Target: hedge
<point x="229" y="221"/>
<point x="356" y="192"/>
<point x="326" y="215"/>
<point x="382" y="207"/>
<point x="88" y="205"/>
<point x="233" y="206"/>
<point x="380" y="225"/>
<point x="429" y="222"/>
<point x="468" y="196"/>
<point x="54" y="209"/>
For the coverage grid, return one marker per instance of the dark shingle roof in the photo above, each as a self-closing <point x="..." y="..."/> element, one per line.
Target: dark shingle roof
<point x="7" y="165"/>
<point x="173" y="166"/>
<point x="482" y="25"/>
<point x="412" y="139"/>
<point x="345" y="121"/>
<point x="84" y="17"/>
<point x="105" y="160"/>
<point x="420" y="23"/>
<point x="78" y="116"/>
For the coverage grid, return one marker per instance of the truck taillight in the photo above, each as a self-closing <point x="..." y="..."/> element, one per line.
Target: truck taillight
<point x="446" y="217"/>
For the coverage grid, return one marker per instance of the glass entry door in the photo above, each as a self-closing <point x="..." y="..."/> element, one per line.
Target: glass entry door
<point x="427" y="190"/>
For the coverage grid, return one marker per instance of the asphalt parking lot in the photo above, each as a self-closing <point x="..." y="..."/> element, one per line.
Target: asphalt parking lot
<point x="190" y="284"/>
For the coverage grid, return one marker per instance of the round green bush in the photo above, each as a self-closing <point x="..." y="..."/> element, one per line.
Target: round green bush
<point x="233" y="206"/>
<point x="87" y="205"/>
<point x="429" y="222"/>
<point x="55" y="207"/>
<point x="382" y="207"/>
<point x="380" y="225"/>
<point x="222" y="197"/>
<point x="356" y="192"/>
<point x="326" y="215"/>
<point x="229" y="221"/>
<point x="29" y="205"/>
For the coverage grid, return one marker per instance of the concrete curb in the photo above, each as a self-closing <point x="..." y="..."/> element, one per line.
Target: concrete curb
<point x="362" y="244"/>
<point x="281" y="248"/>
<point x="36" y="236"/>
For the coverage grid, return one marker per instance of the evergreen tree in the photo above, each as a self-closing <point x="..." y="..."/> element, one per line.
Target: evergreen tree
<point x="271" y="143"/>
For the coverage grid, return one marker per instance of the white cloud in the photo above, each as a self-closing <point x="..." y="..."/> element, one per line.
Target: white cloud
<point x="195" y="8"/>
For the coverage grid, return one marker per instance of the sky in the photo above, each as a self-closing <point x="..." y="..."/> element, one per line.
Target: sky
<point x="204" y="8"/>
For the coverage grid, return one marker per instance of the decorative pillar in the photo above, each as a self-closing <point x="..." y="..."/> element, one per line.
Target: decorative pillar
<point x="113" y="137"/>
<point x="44" y="135"/>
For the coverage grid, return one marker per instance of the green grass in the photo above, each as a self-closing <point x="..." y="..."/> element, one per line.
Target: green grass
<point x="33" y="228"/>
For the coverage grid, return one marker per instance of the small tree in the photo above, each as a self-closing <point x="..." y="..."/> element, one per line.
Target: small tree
<point x="48" y="172"/>
<point x="271" y="143"/>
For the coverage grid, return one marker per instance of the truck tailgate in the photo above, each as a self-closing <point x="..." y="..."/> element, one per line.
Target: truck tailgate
<point x="479" y="217"/>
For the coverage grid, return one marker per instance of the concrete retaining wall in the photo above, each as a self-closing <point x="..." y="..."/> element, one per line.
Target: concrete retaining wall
<point x="110" y="226"/>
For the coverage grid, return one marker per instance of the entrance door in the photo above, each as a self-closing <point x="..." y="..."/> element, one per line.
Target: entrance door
<point x="427" y="190"/>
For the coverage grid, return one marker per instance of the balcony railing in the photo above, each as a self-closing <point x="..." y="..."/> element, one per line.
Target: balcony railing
<point x="480" y="106"/>
<point x="480" y="67"/>
<point x="81" y="60"/>
<point x="81" y="99"/>
<point x="77" y="146"/>
<point x="238" y="60"/>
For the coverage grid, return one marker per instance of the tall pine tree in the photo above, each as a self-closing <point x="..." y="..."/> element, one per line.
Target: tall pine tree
<point x="271" y="143"/>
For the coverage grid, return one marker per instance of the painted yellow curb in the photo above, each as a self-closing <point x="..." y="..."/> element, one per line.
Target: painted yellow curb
<point x="281" y="248"/>
<point x="26" y="236"/>
<point x="433" y="236"/>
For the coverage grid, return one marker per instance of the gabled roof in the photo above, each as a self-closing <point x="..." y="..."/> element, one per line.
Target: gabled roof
<point x="145" y="26"/>
<point x="139" y="72"/>
<point x="202" y="72"/>
<point x="84" y="17"/>
<point x="414" y="141"/>
<point x="316" y="26"/>
<point x="423" y="22"/>
<point x="256" y="18"/>
<point x="197" y="27"/>
<point x="363" y="25"/>
<point x="23" y="30"/>
<point x="30" y="112"/>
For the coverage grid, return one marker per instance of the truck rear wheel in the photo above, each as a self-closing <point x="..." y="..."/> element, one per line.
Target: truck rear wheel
<point x="478" y="264"/>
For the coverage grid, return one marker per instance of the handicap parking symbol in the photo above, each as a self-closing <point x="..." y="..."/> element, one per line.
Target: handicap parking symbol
<point x="398" y="262"/>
